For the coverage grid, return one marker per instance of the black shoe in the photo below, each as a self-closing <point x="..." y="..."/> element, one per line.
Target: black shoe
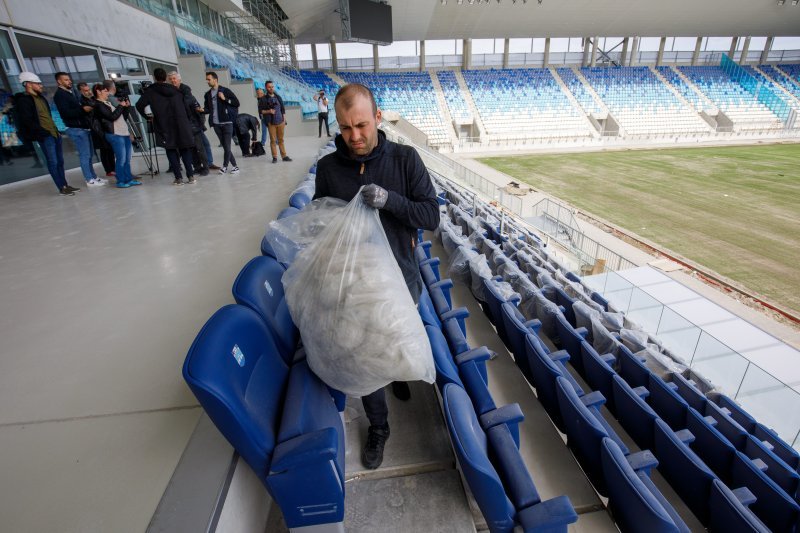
<point x="401" y="391"/>
<point x="204" y="172"/>
<point x="274" y="159"/>
<point x="178" y="181"/>
<point x="64" y="191"/>
<point x="372" y="455"/>
<point x="72" y="189"/>
<point x="287" y="159"/>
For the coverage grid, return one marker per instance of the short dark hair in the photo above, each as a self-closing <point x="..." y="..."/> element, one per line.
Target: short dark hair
<point x="108" y="84"/>
<point x="268" y="81"/>
<point x="349" y="91"/>
<point x="213" y="75"/>
<point x="59" y="74"/>
<point x="160" y="75"/>
<point x="82" y="85"/>
<point x="97" y="87"/>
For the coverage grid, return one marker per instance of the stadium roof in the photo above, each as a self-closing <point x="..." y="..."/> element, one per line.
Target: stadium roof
<point x="317" y="20"/>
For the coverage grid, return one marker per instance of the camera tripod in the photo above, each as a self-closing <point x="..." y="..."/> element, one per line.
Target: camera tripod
<point x="148" y="152"/>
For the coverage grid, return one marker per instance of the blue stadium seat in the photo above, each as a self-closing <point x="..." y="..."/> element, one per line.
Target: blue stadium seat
<point x="710" y="445"/>
<point x="426" y="310"/>
<point x="282" y="420"/>
<point x="636" y="503"/>
<point x="632" y="369"/>
<point x="730" y="512"/>
<point x="266" y="248"/>
<point x="517" y="328"/>
<point x="586" y="428"/>
<point x="258" y="286"/>
<point x="287" y="212"/>
<point x="299" y="199"/>
<point x="570" y="339"/>
<point x="429" y="269"/>
<point x="636" y="417"/>
<point x="565" y="301"/>
<point x="666" y="402"/>
<point x="598" y="371"/>
<point x="502" y="487"/>
<point x="778" y="510"/>
<point x="422" y="251"/>
<point x="686" y="473"/>
<point x="779" y="447"/>
<point x="494" y="302"/>
<point x="545" y="368"/>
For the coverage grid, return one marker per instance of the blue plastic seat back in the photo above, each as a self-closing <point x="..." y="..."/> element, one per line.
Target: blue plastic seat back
<point x="426" y="310"/>
<point x="779" y="446"/>
<point x="570" y="341"/>
<point x="287" y="212"/>
<point x="544" y="372"/>
<point x="711" y="446"/>
<point x="471" y="447"/>
<point x="690" y="393"/>
<point x="299" y="199"/>
<point x="440" y="297"/>
<point x="238" y="376"/>
<point x="729" y="514"/>
<point x="727" y="426"/>
<point x="684" y="470"/>
<point x="773" y="506"/>
<point x="777" y="470"/>
<point x="584" y="432"/>
<point x="446" y="371"/>
<point x="494" y="301"/>
<point x="632" y="370"/>
<point x="635" y="504"/>
<point x="742" y="417"/>
<point x="259" y="287"/>
<point x="430" y="273"/>
<point x="514" y="323"/>
<point x="564" y="300"/>
<point x="309" y="407"/>
<point x="666" y="402"/>
<point x="266" y="248"/>
<point x="598" y="374"/>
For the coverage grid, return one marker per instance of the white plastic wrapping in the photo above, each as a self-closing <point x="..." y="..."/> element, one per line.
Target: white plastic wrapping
<point x="546" y="312"/>
<point x="584" y="313"/>
<point x="504" y="290"/>
<point x="635" y="340"/>
<point x="479" y="270"/>
<point x="602" y="341"/>
<point x="291" y="234"/>
<point x="659" y="363"/>
<point x="459" y="270"/>
<point x="346" y="294"/>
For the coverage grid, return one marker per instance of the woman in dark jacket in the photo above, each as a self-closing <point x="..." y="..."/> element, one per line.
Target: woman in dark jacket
<point x="115" y="127"/>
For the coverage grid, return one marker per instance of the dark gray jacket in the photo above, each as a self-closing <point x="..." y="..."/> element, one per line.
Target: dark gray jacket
<point x="412" y="200"/>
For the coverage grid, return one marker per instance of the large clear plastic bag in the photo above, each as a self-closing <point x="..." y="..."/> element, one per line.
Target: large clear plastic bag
<point x="459" y="270"/>
<point x="479" y="271"/>
<point x="291" y="234"/>
<point x="504" y="290"/>
<point x="452" y="236"/>
<point x="347" y="296"/>
<point x="546" y="312"/>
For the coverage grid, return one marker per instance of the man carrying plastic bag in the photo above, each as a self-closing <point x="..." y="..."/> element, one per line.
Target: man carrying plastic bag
<point x="392" y="179"/>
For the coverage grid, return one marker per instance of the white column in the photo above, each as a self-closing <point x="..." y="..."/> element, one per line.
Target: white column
<point x="745" y="49"/>
<point x="314" y="62"/>
<point x="767" y="49"/>
<point x="732" y="51"/>
<point x="421" y="56"/>
<point x="661" y="46"/>
<point x="505" y="52"/>
<point x="624" y="60"/>
<point x="546" y="52"/>
<point x="334" y="62"/>
<point x="697" y="48"/>
<point x="586" y="51"/>
<point x="594" y="50"/>
<point x="375" y="58"/>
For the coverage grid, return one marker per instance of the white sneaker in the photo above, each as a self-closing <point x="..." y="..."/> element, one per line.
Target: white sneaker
<point x="94" y="183"/>
<point x="235" y="170"/>
<point x="223" y="170"/>
<point x="101" y="180"/>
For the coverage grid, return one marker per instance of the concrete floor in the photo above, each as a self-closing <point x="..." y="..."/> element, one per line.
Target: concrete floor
<point x="102" y="295"/>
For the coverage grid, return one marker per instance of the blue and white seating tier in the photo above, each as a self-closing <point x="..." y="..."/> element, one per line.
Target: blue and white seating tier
<point x="456" y="103"/>
<point x="732" y="98"/>
<point x="524" y="104"/>
<point x="642" y="103"/>
<point x="409" y="93"/>
<point x="579" y="90"/>
<point x="788" y="100"/>
<point x="691" y="96"/>
<point x="315" y="79"/>
<point x="780" y="78"/>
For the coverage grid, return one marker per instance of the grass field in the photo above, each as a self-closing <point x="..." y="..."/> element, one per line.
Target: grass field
<point x="735" y="210"/>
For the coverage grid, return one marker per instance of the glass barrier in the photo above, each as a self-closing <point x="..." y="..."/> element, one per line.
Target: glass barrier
<point x="678" y="334"/>
<point x="644" y="310"/>
<point x="761" y="392"/>
<point x="719" y="364"/>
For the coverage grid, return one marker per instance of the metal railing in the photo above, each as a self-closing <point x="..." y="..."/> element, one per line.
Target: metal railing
<point x="765" y="396"/>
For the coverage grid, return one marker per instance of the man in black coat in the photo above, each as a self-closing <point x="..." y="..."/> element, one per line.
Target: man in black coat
<point x="198" y="121"/>
<point x="397" y="183"/>
<point x="170" y="123"/>
<point x="222" y="107"/>
<point x="245" y="125"/>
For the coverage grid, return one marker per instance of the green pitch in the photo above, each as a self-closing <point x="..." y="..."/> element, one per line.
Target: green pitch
<point x="735" y="210"/>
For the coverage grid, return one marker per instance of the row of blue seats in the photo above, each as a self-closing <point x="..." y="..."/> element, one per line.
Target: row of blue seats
<point x="247" y="369"/>
<point x="485" y="438"/>
<point x="596" y="445"/>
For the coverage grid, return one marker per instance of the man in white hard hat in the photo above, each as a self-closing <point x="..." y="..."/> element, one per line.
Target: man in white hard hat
<point x="35" y="124"/>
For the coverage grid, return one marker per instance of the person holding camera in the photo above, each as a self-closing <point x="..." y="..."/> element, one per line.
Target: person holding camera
<point x="322" y="112"/>
<point x="113" y="121"/>
<point x="272" y="109"/>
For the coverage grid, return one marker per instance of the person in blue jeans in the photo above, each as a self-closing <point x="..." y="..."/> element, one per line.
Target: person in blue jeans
<point x="117" y="134"/>
<point x="35" y="123"/>
<point x="77" y="120"/>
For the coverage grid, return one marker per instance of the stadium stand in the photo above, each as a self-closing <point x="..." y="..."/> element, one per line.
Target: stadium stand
<point x="733" y="99"/>
<point x="524" y="104"/>
<point x="780" y="77"/>
<point x="788" y="100"/>
<point x="458" y="107"/>
<point x="579" y="90"/>
<point x="409" y="93"/>
<point x="315" y="79"/>
<point x="642" y="104"/>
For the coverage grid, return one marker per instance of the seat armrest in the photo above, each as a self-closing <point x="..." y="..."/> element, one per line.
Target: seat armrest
<point x="547" y="515"/>
<point x="710" y="420"/>
<point x="534" y="325"/>
<point x="671" y="386"/>
<point x="497" y="278"/>
<point x="316" y="447"/>
<point x="744" y="496"/>
<point x="758" y="463"/>
<point x="433" y="261"/>
<point x="476" y="355"/>
<point x="582" y="331"/>
<point x="515" y="299"/>
<point x="458" y="314"/>
<point x="685" y="436"/>
<point x="642" y="461"/>
<point x="768" y="445"/>
<point x="725" y="410"/>
<point x="562" y="309"/>
<point x="507" y="414"/>
<point x="442" y="284"/>
<point x="593" y="399"/>
<point x="609" y="359"/>
<point x="641" y="392"/>
<point x="559" y="356"/>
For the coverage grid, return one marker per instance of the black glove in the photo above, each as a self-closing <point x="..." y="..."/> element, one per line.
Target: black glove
<point x="374" y="196"/>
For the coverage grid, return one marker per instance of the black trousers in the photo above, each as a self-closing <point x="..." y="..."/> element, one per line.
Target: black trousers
<point x="244" y="142"/>
<point x="199" y="153"/>
<point x="106" y="156"/>
<point x="175" y="155"/>
<point x="376" y="408"/>
<point x="225" y="134"/>
<point x="323" y="119"/>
